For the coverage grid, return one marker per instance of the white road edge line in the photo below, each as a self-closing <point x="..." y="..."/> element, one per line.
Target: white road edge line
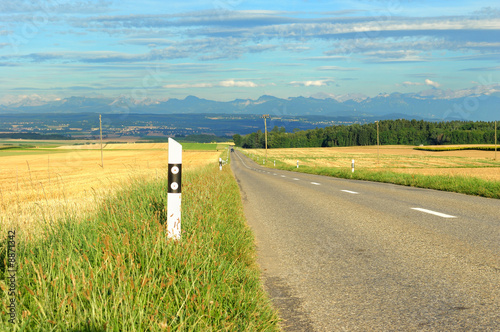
<point x="350" y="192"/>
<point x="316" y="183"/>
<point x="439" y="214"/>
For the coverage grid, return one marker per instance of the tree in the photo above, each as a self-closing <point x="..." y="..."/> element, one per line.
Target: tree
<point x="237" y="139"/>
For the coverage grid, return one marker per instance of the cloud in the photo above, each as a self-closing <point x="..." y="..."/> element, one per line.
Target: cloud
<point x="206" y="18"/>
<point x="408" y="83"/>
<point x="232" y="83"/>
<point x="312" y="83"/>
<point x="223" y="84"/>
<point x="426" y="82"/>
<point x="432" y="83"/>
<point x="54" y="6"/>
<point x="382" y="56"/>
<point x="188" y="85"/>
<point x="261" y="48"/>
<point x="337" y="68"/>
<point x="9" y="64"/>
<point x="488" y="69"/>
<point x="212" y="35"/>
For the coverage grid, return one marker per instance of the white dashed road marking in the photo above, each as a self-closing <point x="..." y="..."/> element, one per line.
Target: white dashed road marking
<point x="350" y="192"/>
<point x="439" y="214"/>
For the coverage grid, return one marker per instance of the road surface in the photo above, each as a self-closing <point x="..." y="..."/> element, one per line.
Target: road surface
<point x="343" y="255"/>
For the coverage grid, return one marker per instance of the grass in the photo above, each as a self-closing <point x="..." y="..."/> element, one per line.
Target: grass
<point x="116" y="270"/>
<point x="33" y="143"/>
<point x="199" y="146"/>
<point x="15" y="151"/>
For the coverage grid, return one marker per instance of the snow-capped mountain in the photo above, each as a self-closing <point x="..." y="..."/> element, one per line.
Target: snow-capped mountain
<point x="477" y="103"/>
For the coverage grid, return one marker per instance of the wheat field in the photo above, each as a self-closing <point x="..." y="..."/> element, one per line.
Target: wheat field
<point x="402" y="159"/>
<point x="42" y="185"/>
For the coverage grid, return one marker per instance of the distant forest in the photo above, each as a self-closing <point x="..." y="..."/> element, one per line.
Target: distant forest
<point x="34" y="136"/>
<point x="391" y="132"/>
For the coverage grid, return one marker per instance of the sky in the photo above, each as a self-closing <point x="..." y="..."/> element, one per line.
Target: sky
<point x="238" y="49"/>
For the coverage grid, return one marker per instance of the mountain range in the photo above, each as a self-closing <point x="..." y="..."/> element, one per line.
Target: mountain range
<point x="433" y="104"/>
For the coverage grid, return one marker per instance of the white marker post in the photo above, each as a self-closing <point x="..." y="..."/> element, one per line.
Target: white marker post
<point x="352" y="165"/>
<point x="174" y="189"/>
<point x="220" y="164"/>
<point x="297" y="164"/>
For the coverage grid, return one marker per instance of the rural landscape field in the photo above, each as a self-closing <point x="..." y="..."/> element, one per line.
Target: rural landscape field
<point x="467" y="169"/>
<point x="50" y="180"/>
<point x="85" y="236"/>
<point x="396" y="158"/>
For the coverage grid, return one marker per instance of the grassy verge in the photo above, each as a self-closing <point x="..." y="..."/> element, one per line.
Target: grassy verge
<point x="117" y="271"/>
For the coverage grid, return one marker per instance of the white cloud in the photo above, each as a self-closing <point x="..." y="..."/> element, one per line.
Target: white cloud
<point x="312" y="83"/>
<point x="233" y="83"/>
<point x="224" y="84"/>
<point x="337" y="68"/>
<point x="408" y="83"/>
<point x="432" y="83"/>
<point x="426" y="82"/>
<point x="187" y="85"/>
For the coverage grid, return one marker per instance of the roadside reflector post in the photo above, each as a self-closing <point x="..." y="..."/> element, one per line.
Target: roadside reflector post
<point x="275" y="163"/>
<point x="220" y="164"/>
<point x="174" y="189"/>
<point x="352" y="165"/>
<point x="297" y="164"/>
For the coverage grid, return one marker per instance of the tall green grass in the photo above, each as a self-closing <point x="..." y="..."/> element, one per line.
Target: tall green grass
<point x="117" y="271"/>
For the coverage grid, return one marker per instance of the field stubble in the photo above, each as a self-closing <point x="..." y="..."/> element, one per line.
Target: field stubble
<point x="399" y="159"/>
<point x="69" y="180"/>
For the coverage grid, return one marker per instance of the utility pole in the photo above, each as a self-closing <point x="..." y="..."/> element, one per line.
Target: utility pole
<point x="265" y="117"/>
<point x="100" y="130"/>
<point x="378" y="144"/>
<point x="495" y="140"/>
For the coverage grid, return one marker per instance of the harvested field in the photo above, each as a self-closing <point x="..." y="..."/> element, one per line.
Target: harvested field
<point x="117" y="146"/>
<point x="402" y="159"/>
<point x="46" y="184"/>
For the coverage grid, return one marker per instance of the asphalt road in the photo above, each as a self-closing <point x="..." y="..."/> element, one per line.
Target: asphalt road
<point x="344" y="255"/>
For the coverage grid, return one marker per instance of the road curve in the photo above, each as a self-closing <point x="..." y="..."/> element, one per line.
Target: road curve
<point x="343" y="255"/>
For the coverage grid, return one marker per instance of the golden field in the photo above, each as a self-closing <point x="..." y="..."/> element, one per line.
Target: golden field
<point x="45" y="184"/>
<point x="397" y="158"/>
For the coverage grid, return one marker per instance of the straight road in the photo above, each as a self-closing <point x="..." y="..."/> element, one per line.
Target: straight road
<point x="343" y="255"/>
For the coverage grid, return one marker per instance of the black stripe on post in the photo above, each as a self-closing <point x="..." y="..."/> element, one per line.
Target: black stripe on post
<point x="174" y="178"/>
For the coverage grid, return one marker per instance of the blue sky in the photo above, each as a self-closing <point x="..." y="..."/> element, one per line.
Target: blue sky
<point x="228" y="49"/>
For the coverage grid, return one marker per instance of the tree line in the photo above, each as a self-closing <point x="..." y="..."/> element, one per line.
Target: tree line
<point x="34" y="136"/>
<point x="391" y="132"/>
